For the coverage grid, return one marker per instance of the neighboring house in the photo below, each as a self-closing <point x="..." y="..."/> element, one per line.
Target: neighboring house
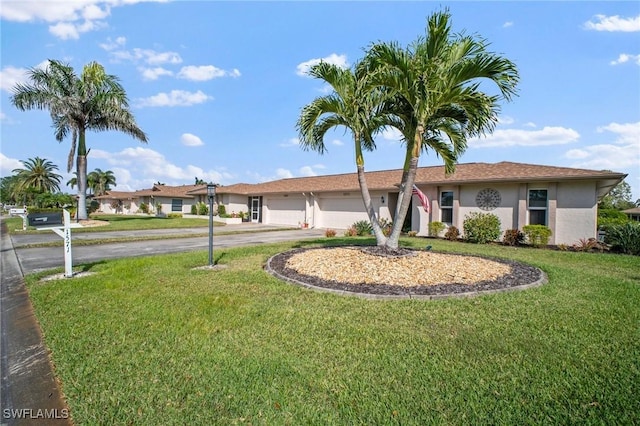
<point x="167" y="199"/>
<point x="564" y="199"/>
<point x="634" y="213"/>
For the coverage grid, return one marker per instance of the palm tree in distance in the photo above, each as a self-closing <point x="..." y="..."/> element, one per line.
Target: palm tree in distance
<point x="351" y="105"/>
<point x="101" y="181"/>
<point x="94" y="101"/>
<point x="36" y="177"/>
<point x="435" y="93"/>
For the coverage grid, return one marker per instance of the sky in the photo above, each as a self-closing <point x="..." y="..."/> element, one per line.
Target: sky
<point x="218" y="85"/>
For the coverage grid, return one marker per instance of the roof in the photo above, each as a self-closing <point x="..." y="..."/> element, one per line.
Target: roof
<point x="183" y="191"/>
<point x="434" y="175"/>
<point x="116" y="195"/>
<point x="635" y="210"/>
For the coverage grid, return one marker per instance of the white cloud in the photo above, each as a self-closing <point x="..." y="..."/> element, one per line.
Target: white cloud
<point x="392" y="134"/>
<point x="613" y="23"/>
<point x="530" y="124"/>
<point x="10" y="76"/>
<point x="623" y="153"/>
<point x="337" y="142"/>
<point x="291" y="142"/>
<point x="625" y="57"/>
<point x="8" y="164"/>
<point x="283" y="173"/>
<point x="515" y="137"/>
<point x="154" y="73"/>
<point x="205" y="72"/>
<point x="507" y="24"/>
<point x="189" y="139"/>
<point x="148" y="56"/>
<point x="338" y="60"/>
<point x="505" y="119"/>
<point x="154" y="167"/>
<point x="174" y="98"/>
<point x="310" y="170"/>
<point x="113" y="44"/>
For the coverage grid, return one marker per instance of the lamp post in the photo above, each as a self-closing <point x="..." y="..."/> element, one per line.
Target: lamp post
<point x="211" y="193"/>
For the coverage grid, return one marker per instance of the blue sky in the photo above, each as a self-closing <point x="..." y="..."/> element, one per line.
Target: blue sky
<point x="218" y="86"/>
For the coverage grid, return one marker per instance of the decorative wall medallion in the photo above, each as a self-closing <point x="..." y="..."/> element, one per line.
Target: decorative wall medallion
<point x="488" y="199"/>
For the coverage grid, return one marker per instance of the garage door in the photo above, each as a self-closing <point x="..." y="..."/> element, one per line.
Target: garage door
<point x="285" y="211"/>
<point x="341" y="212"/>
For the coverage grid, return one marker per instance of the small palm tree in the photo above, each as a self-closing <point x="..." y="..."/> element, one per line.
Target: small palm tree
<point x="37" y="176"/>
<point x="351" y="105"/>
<point x="101" y="181"/>
<point x="93" y="100"/>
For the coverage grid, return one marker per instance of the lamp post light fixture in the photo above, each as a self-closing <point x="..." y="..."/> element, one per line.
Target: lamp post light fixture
<point x="211" y="193"/>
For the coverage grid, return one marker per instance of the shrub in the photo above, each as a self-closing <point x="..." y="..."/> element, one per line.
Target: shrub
<point x="585" y="244"/>
<point x="537" y="235"/>
<point x="174" y="215"/>
<point x="385" y="225"/>
<point x="513" y="237"/>
<point x="351" y="232"/>
<point x="481" y="228"/>
<point x="608" y="217"/>
<point x="362" y="227"/>
<point x="624" y="238"/>
<point x="203" y="209"/>
<point x="435" y="228"/>
<point x="194" y="209"/>
<point x="222" y="210"/>
<point x="144" y="208"/>
<point x="412" y="233"/>
<point x="329" y="233"/>
<point x="452" y="233"/>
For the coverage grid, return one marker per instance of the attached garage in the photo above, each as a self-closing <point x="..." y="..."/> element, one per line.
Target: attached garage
<point x="340" y="211"/>
<point x="283" y="210"/>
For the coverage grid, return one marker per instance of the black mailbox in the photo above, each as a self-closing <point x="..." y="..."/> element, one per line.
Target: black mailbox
<point x="44" y="219"/>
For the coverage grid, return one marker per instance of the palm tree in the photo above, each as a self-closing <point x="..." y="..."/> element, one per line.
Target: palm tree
<point x="38" y="176"/>
<point x="94" y="100"/>
<point x="101" y="181"/>
<point x="434" y="87"/>
<point x="354" y="106"/>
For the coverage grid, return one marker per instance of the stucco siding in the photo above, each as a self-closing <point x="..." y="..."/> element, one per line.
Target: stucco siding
<point x="234" y="203"/>
<point x="506" y="211"/>
<point x="336" y="211"/>
<point x="282" y="210"/>
<point x="576" y="212"/>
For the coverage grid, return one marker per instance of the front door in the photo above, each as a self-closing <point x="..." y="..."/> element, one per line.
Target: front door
<point x="255" y="209"/>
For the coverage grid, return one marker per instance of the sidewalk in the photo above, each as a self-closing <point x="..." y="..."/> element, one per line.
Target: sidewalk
<point x="29" y="392"/>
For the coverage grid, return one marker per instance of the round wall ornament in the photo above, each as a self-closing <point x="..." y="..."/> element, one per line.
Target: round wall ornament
<point x="488" y="199"/>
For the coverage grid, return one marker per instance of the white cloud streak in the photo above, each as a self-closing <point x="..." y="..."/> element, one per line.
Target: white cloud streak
<point x="623" y="153"/>
<point x="174" y="98"/>
<point x="516" y="137"/>
<point x="339" y="60"/>
<point x="625" y="57"/>
<point x="613" y="23"/>
<point x="205" y="72"/>
<point x="188" y="139"/>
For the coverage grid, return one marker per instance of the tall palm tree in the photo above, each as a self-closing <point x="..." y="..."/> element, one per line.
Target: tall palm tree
<point x="435" y="92"/>
<point x="37" y="176"/>
<point x="351" y="105"/>
<point x="101" y="181"/>
<point x="94" y="101"/>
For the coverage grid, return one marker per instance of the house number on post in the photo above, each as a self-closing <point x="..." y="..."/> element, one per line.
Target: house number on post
<point x="488" y="199"/>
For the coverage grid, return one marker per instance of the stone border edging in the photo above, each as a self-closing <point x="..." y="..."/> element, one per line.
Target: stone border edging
<point x="539" y="282"/>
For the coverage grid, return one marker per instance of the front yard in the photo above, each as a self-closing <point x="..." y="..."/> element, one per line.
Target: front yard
<point x="153" y="341"/>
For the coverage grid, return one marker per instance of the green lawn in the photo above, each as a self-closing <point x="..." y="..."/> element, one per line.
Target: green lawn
<point x="153" y="341"/>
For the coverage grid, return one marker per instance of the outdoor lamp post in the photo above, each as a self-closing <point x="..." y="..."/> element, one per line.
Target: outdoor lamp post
<point x="211" y="192"/>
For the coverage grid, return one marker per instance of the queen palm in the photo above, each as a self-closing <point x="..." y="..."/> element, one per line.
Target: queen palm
<point x="36" y="177"/>
<point x="434" y="87"/>
<point x="94" y="101"/>
<point x="351" y="105"/>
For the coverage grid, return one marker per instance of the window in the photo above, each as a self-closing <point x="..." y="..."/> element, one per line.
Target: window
<point x="538" y="207"/>
<point x="176" y="205"/>
<point x="446" y="207"/>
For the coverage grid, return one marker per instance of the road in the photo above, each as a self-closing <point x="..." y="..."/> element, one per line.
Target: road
<point x="42" y="258"/>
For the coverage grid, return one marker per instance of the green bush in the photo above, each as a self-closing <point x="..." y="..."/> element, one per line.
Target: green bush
<point x="537" y="235"/>
<point x="608" y="217"/>
<point x="174" y="215"/>
<point x="481" y="228"/>
<point x="203" y="209"/>
<point x="362" y="227"/>
<point x="513" y="237"/>
<point x="222" y="210"/>
<point x="144" y="208"/>
<point x="435" y="228"/>
<point x="624" y="238"/>
<point x="452" y="233"/>
<point x="194" y="209"/>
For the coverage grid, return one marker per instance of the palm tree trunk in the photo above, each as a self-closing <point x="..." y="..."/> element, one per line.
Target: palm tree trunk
<point x="81" y="169"/>
<point x="373" y="217"/>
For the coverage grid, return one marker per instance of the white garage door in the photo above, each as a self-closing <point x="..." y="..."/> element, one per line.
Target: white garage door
<point x="341" y="212"/>
<point x="285" y="211"/>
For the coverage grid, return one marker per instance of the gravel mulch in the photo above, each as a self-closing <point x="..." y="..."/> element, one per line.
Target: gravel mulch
<point x="407" y="273"/>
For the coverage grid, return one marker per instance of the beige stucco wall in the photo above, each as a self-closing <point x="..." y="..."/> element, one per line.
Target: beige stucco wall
<point x="233" y="202"/>
<point x="576" y="213"/>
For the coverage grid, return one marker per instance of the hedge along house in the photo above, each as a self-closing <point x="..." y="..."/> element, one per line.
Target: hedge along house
<point x="564" y="199"/>
<point x="160" y="198"/>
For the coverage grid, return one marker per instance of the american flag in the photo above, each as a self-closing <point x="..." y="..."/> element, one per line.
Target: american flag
<point x="423" y="199"/>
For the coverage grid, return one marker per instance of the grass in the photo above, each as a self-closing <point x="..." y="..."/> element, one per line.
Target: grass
<point x="153" y="341"/>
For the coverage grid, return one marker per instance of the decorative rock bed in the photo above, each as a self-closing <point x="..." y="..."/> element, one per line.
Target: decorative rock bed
<point x="365" y="271"/>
